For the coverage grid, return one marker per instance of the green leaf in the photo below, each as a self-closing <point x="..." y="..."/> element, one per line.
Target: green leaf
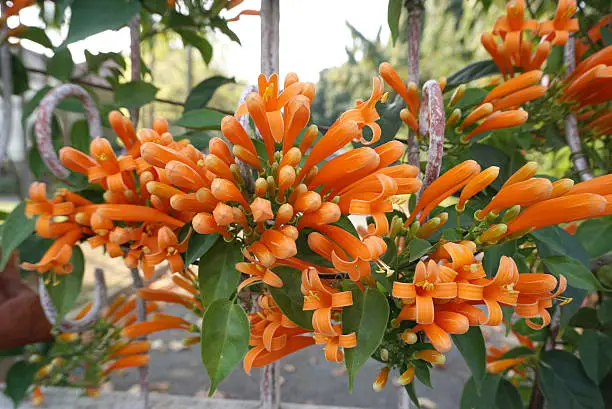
<point x="604" y="313"/>
<point x="480" y="397"/>
<point x="493" y="255"/>
<point x="507" y="313"/>
<point x="487" y="155"/>
<point x="18" y="380"/>
<point x="135" y="94"/>
<point x="586" y="318"/>
<point x="79" y="135"/>
<point x="37" y="35"/>
<point x="577" y="274"/>
<point x="564" y="383"/>
<point x="20" y="76"/>
<point x="204" y="91"/>
<point x="199" y="42"/>
<point x="472" y="348"/>
<point x="507" y="397"/>
<point x="596" y="236"/>
<point x="204" y="119"/>
<point x="217" y="272"/>
<point x="198" y="245"/>
<point x="16" y="229"/>
<point x="92" y="17"/>
<point x="66" y="289"/>
<point x="517" y="352"/>
<point x="473" y="71"/>
<point x="421" y="371"/>
<point x="412" y="394"/>
<point x="394" y="10"/>
<point x="289" y="297"/>
<point x="199" y="139"/>
<point x="61" y="65"/>
<point x="368" y="318"/>
<point x="595" y="354"/>
<point x="33" y="248"/>
<point x="225" y="340"/>
<point x="95" y="61"/>
<point x="4" y="353"/>
<point x="418" y="248"/>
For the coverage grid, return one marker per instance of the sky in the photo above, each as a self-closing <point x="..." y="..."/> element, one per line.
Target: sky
<point x="313" y="36"/>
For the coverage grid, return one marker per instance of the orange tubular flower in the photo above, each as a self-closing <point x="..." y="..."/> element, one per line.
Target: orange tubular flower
<point x="500" y="290"/>
<point x="148" y="327"/>
<point x="131" y="361"/>
<point x="501" y="365"/>
<point x="445" y="323"/>
<point x="520" y="97"/>
<point x="57" y="257"/>
<point x="512" y="25"/>
<point x="536" y="295"/>
<point x="150" y="294"/>
<point x="477" y="184"/>
<point x="426" y="287"/>
<point x="499" y="120"/>
<point x="513" y="85"/>
<point x="323" y="300"/>
<point x="558" y="30"/>
<point x="564" y="209"/>
<point x="365" y="113"/>
<point x="522" y="193"/>
<point x="168" y="249"/>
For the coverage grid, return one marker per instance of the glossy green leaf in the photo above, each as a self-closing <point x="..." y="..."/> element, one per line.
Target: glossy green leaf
<point x="21" y="82"/>
<point x="16" y="229"/>
<point x="394" y="10"/>
<point x="368" y="318"/>
<point x="586" y="318"/>
<point x="225" y="340"/>
<point x="596" y="236"/>
<point x="595" y="354"/>
<point x="79" y="135"/>
<point x="204" y="119"/>
<point x="418" y="248"/>
<point x="61" y="65"/>
<point x="487" y="155"/>
<point x="217" y="272"/>
<point x="493" y="255"/>
<point x="421" y="371"/>
<point x="37" y="35"/>
<point x="92" y="17"/>
<point x="289" y="297"/>
<point x="201" y="94"/>
<point x="200" y="43"/>
<point x="604" y="313"/>
<point x="412" y="394"/>
<point x="198" y="246"/>
<point x="577" y="274"/>
<point x="66" y="289"/>
<point x="18" y="380"/>
<point x="507" y="397"/>
<point x="33" y="248"/>
<point x="472" y="348"/>
<point x="564" y="383"/>
<point x="471" y="72"/>
<point x="135" y="94"/>
<point x="483" y="396"/>
<point x="507" y="313"/>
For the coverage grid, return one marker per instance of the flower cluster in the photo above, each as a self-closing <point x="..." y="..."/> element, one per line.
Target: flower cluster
<point x="87" y="359"/>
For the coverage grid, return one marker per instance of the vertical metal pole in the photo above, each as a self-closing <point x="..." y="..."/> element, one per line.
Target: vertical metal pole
<point x="270" y="18"/>
<point x="135" y="60"/>
<point x="415" y="9"/>
<point x="7" y="89"/>
<point x="571" y="125"/>
<point x="141" y="315"/>
<point x="270" y="41"/>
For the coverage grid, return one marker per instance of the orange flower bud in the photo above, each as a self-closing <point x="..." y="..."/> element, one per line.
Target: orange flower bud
<point x="292" y="157"/>
<point x="219" y="148"/>
<point x="431" y="356"/>
<point x="236" y="134"/>
<point x="601" y="185"/>
<point x="512" y="85"/>
<point x="477" y="184"/>
<point x="289" y="231"/>
<point x="381" y="380"/>
<point x="184" y="176"/>
<point x="309" y="136"/>
<point x="406" y="377"/>
<point x="327" y="213"/>
<point x="281" y="246"/>
<point x="217" y="166"/>
<point x="76" y="160"/>
<point x="561" y="187"/>
<point x="138" y="347"/>
<point x="261" y="209"/>
<point x="286" y="179"/>
<point x="262" y="254"/>
<point x="223" y="214"/>
<point x="503" y="364"/>
<point x="261" y="187"/>
<point x="499" y="120"/>
<point x="409" y="337"/>
<point x="388" y="73"/>
<point x="493" y="233"/>
<point x="162" y="190"/>
<point x="204" y="223"/>
<point x="132" y="361"/>
<point x="160" y="125"/>
<point x="283" y="215"/>
<point x="522" y="193"/>
<point x="477" y="114"/>
<point x="227" y="191"/>
<point x="409" y="119"/>
<point x="247" y="157"/>
<point x="525" y="172"/>
<point x="520" y="97"/>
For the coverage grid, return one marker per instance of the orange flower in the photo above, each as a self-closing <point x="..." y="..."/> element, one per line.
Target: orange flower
<point x="536" y="295"/>
<point x="522" y="193"/>
<point x="168" y="249"/>
<point x="501" y="365"/>
<point x="500" y="290"/>
<point x="140" y="329"/>
<point x="365" y="113"/>
<point x="558" y="30"/>
<point x="323" y="300"/>
<point x="477" y="184"/>
<point x="499" y="120"/>
<point x="57" y="258"/>
<point x="426" y="287"/>
<point x="131" y="361"/>
<point x="520" y="97"/>
<point x="564" y="209"/>
<point x="512" y="25"/>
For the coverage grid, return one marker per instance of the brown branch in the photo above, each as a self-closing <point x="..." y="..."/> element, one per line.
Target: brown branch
<point x="135" y="61"/>
<point x="415" y="9"/>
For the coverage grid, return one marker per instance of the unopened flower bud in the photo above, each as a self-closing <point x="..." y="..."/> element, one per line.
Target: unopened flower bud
<point x="236" y="172"/>
<point x="454" y="117"/>
<point x="457" y="95"/>
<point x="432" y="356"/>
<point x="34" y="359"/>
<point x="511" y="213"/>
<point x="414" y="227"/>
<point x="406" y="377"/>
<point x="493" y="233"/>
<point x="384" y="354"/>
<point x="428" y="228"/>
<point x="261" y="187"/>
<point x="191" y="341"/>
<point x="409" y="337"/>
<point x="381" y="380"/>
<point x="271" y="186"/>
<point x="396" y="227"/>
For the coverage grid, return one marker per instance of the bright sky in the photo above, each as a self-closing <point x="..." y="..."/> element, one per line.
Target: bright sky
<point x="313" y="37"/>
